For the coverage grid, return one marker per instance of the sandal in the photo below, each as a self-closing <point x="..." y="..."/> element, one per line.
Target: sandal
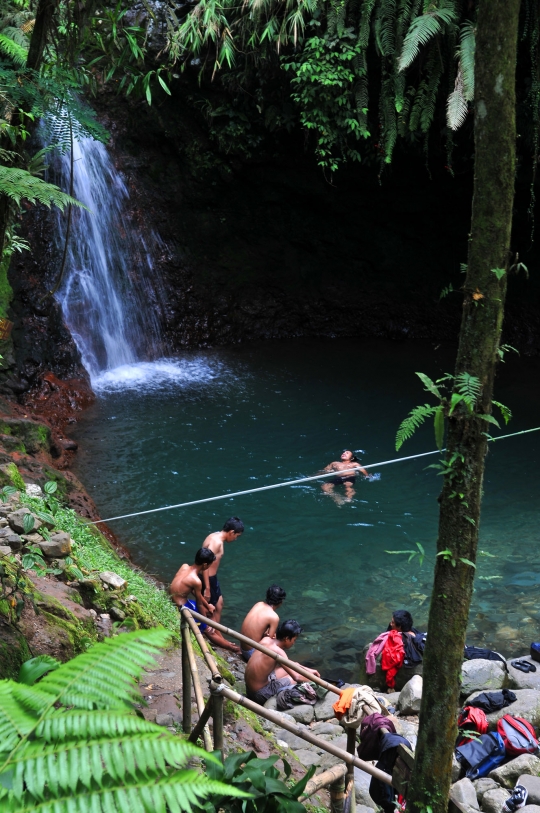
<point x="523" y="666"/>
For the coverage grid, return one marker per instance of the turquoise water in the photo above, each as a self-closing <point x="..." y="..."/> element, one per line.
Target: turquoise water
<point x="226" y="420"/>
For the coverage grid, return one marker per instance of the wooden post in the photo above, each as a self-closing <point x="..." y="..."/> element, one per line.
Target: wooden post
<point x="337" y="795"/>
<point x="349" y="801"/>
<point x="201" y="722"/>
<point x="210" y="662"/>
<point x="217" y="701"/>
<point x="199" y="697"/>
<point x="323" y="780"/>
<point x="186" y="679"/>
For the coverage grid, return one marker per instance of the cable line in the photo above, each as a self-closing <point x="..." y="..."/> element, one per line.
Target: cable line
<point x="339" y="473"/>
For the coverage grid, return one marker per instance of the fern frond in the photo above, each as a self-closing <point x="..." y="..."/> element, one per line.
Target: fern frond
<point x="384" y="27"/>
<point x="365" y="23"/>
<point x="469" y="386"/>
<point x="17" y="53"/>
<point x="105" y="676"/>
<point x="15" y="720"/>
<point x="63" y="726"/>
<point x="424" y="29"/>
<point x="410" y="424"/>
<point x="467" y="50"/>
<point x="506" y="412"/>
<point x="456" y="105"/>
<point x="18" y="184"/>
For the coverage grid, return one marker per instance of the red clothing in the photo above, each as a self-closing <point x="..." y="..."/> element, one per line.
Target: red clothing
<point x="393" y="656"/>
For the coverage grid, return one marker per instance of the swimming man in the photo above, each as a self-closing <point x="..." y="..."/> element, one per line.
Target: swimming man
<point x="262" y="620"/>
<point x="347" y="461"/>
<point x="188" y="582"/>
<point x="233" y="528"/>
<point x="263" y="678"/>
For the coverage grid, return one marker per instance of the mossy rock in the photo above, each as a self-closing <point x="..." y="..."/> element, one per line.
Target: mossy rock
<point x="73" y="637"/>
<point x="35" y="436"/>
<point x="14" y="651"/>
<point x="11" y="443"/>
<point x="13" y="475"/>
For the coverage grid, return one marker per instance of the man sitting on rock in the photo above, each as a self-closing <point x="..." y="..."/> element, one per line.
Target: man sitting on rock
<point x="263" y="678"/>
<point x="262" y="620"/>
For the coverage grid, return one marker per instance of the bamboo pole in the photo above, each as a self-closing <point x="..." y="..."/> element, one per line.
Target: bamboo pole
<point x="199" y="698"/>
<point x="186" y="678"/>
<point x="217" y="701"/>
<point x="322" y="780"/>
<point x="210" y="662"/>
<point x="349" y="801"/>
<point x="278" y="719"/>
<point x="337" y="795"/>
<point x="297" y="667"/>
<point x="201" y="722"/>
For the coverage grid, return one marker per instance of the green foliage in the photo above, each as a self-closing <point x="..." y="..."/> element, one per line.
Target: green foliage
<point x="426" y="27"/>
<point x="258" y="778"/>
<point x="72" y="743"/>
<point x="448" y="556"/>
<point x="18" y="184"/>
<point x="410" y="424"/>
<point x="34" y="668"/>
<point x="420" y="552"/>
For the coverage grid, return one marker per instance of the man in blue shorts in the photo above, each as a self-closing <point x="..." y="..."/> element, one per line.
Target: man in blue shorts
<point x="188" y="582"/>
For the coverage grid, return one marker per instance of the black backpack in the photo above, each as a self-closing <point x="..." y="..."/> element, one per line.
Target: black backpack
<point x="414" y="647"/>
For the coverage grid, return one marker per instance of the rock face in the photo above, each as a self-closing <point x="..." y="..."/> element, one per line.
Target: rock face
<point x="463" y="794"/>
<point x="527" y="705"/>
<point x="532" y="783"/>
<point x="507" y="775"/>
<point x="410" y="697"/>
<point x="523" y="680"/>
<point x="480" y="674"/>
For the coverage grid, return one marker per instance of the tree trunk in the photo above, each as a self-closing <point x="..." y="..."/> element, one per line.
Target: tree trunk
<point x="483" y="308"/>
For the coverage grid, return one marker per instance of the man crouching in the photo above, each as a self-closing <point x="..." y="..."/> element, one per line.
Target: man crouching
<point x="263" y="678"/>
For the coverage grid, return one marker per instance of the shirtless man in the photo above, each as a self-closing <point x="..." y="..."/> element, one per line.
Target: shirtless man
<point x="347" y="462"/>
<point x="263" y="678"/>
<point x="232" y="529"/>
<point x="188" y="582"/>
<point x="262" y="620"/>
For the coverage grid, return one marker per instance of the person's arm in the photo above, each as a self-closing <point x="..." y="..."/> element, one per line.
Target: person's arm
<point x="364" y="471"/>
<point x="202" y="603"/>
<point x="273" y="624"/>
<point x="296" y="675"/>
<point x="205" y="578"/>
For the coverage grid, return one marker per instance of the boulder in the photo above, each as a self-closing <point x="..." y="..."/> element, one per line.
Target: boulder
<point x="482" y="675"/>
<point x="13" y="540"/>
<point x="302" y="713"/>
<point x="508" y="774"/>
<point x="530" y="809"/>
<point x="324" y="708"/>
<point x="527" y="705"/>
<point x="33" y="490"/>
<point x="463" y="793"/>
<point x="482" y="786"/>
<point x="4" y="550"/>
<point x="326" y="728"/>
<point x="308" y="757"/>
<point x="362" y="781"/>
<point x="16" y="520"/>
<point x="410" y="696"/>
<point x="523" y="680"/>
<point x="407" y="729"/>
<point x="290" y="739"/>
<point x="58" y="546"/>
<point x="456" y="770"/>
<point x="32" y="539"/>
<point x="532" y="783"/>
<point x="493" y="800"/>
<point x="112" y="579"/>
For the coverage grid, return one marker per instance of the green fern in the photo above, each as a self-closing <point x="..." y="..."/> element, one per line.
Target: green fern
<point x="456" y="105"/>
<point x="466" y="53"/>
<point x="16" y="52"/>
<point x="18" y="184"/>
<point x="410" y="424"/>
<point x="97" y="755"/>
<point x="424" y="28"/>
<point x="469" y="386"/>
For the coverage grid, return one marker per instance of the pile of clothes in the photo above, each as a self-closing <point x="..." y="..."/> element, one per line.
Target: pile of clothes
<point x="396" y="649"/>
<point x="379" y="741"/>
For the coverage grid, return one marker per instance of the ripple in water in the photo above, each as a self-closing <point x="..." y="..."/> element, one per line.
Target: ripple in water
<point x="150" y="376"/>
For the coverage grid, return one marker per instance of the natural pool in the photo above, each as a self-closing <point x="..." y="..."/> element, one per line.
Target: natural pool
<point x="230" y="419"/>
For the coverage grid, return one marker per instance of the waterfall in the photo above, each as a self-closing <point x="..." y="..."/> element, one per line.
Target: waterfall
<point x="111" y="294"/>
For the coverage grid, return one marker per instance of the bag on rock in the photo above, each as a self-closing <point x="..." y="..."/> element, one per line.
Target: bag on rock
<point x="535" y="652"/>
<point x="518" y="735"/>
<point x="471" y="721"/>
<point x="471" y="653"/>
<point x="482" y="755"/>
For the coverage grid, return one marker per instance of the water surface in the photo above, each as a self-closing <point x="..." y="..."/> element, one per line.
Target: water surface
<point x="220" y="421"/>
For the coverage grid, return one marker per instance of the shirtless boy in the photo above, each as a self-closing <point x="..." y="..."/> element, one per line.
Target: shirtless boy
<point x="232" y="529"/>
<point x="188" y="582"/>
<point x="347" y="461"/>
<point x="262" y="620"/>
<point x="263" y="678"/>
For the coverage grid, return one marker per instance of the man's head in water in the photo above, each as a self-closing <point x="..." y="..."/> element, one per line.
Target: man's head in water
<point x="275" y="595"/>
<point x="204" y="557"/>
<point x="287" y="633"/>
<point x="348" y="457"/>
<point x="233" y="528"/>
<point x="402" y="621"/>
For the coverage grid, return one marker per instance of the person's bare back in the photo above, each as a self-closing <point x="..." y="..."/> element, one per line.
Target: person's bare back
<point x="261" y="666"/>
<point x="262" y="619"/>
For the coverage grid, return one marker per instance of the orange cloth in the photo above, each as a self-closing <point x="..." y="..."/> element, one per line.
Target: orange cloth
<point x="342" y="705"/>
<point x="392" y="657"/>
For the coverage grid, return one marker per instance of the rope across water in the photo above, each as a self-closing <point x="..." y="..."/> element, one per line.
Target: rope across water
<point x="294" y="482"/>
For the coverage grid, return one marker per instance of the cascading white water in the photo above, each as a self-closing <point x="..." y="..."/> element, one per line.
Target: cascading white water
<point x="110" y="294"/>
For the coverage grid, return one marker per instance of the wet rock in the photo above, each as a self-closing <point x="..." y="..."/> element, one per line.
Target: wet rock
<point x="532" y="783"/>
<point x="527" y="705"/>
<point x="482" y="786"/>
<point x="493" y="800"/>
<point x="507" y="775"/>
<point x="16" y="520"/>
<point x="112" y="579"/>
<point x="58" y="546"/>
<point x="308" y="757"/>
<point x="463" y="793"/>
<point x="523" y="680"/>
<point x="411" y="696"/>
<point x="480" y="674"/>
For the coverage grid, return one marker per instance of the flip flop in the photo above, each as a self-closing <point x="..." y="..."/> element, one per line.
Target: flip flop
<point x="523" y="666"/>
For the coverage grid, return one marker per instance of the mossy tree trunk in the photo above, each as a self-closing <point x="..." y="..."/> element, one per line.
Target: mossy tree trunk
<point x="483" y="309"/>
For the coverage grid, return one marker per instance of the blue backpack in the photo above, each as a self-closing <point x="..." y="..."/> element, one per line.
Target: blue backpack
<point x="482" y="755"/>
